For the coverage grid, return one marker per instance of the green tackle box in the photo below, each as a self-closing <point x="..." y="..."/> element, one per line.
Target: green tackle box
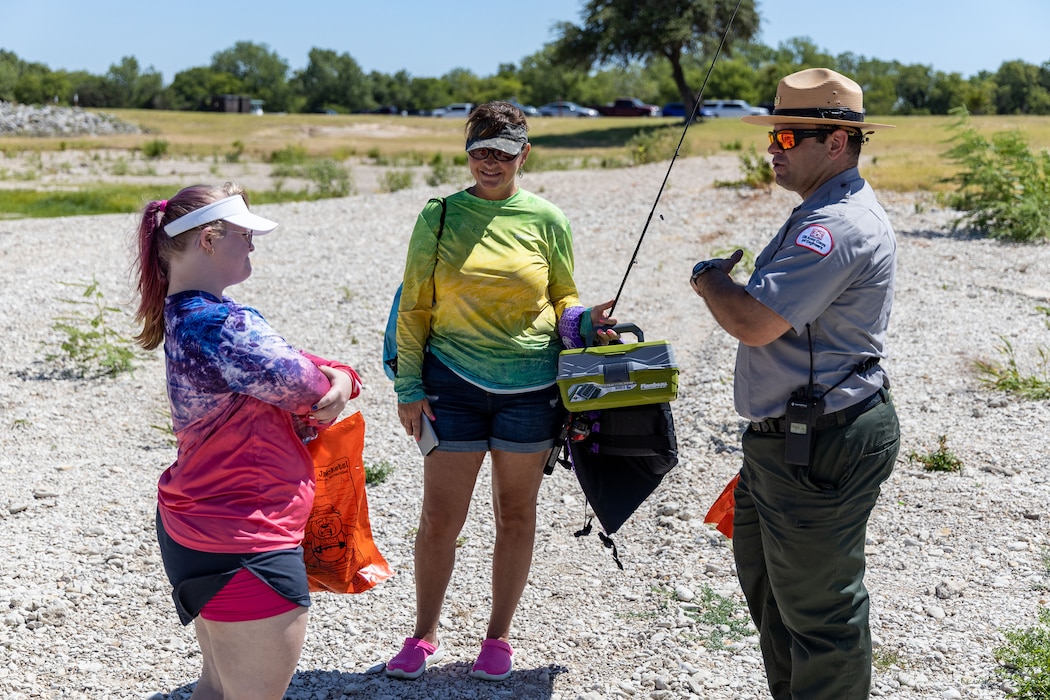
<point x="624" y="374"/>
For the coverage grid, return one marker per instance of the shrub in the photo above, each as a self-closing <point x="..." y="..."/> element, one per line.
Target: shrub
<point x="441" y="171"/>
<point x="654" y="145"/>
<point x="377" y="473"/>
<point x="1002" y="185"/>
<point x="940" y="460"/>
<point x="1009" y="378"/>
<point x="758" y="173"/>
<point x="237" y="150"/>
<point x="90" y="345"/>
<point x="726" y="620"/>
<point x="157" y="148"/>
<point x="1025" y="659"/>
<point x="289" y="155"/>
<point x="330" y="178"/>
<point x="394" y="180"/>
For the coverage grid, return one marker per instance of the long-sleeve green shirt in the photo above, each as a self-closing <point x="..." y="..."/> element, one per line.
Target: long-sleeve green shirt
<point x="488" y="302"/>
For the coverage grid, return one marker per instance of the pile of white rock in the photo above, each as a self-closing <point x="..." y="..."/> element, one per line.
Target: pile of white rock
<point x="53" y="120"/>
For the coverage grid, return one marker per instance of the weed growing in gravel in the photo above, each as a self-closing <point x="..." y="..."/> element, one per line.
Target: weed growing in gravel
<point x="330" y="179"/>
<point x="1045" y="310"/>
<point x="236" y="151"/>
<point x="165" y="429"/>
<point x="1025" y="659"/>
<point x="883" y="659"/>
<point x="394" y="180"/>
<point x="940" y="460"/>
<point x="758" y="173"/>
<point x="289" y="155"/>
<point x="655" y="145"/>
<point x="728" y="620"/>
<point x="378" y="472"/>
<point x="1008" y="377"/>
<point x="157" y="148"/>
<point x="91" y="345"/>
<point x="442" y="171"/>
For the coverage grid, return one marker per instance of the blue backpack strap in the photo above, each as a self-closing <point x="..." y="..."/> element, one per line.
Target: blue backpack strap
<point x="390" y="334"/>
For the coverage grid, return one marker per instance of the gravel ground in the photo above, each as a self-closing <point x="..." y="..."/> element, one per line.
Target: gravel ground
<point x="954" y="559"/>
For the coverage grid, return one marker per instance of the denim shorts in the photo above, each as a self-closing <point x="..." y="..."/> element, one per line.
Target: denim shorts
<point x="471" y="419"/>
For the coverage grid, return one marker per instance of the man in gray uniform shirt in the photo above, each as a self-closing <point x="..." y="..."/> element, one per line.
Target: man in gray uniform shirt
<point x="824" y="435"/>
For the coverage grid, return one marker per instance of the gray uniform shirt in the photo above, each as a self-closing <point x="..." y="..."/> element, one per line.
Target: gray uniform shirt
<point x="830" y="266"/>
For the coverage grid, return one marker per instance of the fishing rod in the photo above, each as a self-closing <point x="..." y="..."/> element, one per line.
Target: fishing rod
<point x="692" y="116"/>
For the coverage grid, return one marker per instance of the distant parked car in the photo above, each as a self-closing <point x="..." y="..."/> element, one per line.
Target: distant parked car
<point x="456" y="110"/>
<point x="628" y="107"/>
<point x="566" y="109"/>
<point x="677" y="109"/>
<point x="733" y="108"/>
<point x="387" y="109"/>
<point x="527" y="110"/>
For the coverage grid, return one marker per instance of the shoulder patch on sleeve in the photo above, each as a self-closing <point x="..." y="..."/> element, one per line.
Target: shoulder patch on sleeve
<point x="816" y="238"/>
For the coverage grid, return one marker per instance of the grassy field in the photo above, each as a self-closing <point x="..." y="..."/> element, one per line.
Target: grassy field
<point x="908" y="158"/>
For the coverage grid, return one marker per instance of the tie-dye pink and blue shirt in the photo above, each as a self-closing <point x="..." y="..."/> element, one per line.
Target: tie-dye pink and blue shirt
<point x="243" y="479"/>
<point x="503" y="276"/>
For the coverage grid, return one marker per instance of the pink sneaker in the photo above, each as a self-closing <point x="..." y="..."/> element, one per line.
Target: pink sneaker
<point x="494" y="662"/>
<point x="413" y="659"/>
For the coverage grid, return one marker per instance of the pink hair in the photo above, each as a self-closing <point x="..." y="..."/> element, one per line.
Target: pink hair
<point x="156" y="249"/>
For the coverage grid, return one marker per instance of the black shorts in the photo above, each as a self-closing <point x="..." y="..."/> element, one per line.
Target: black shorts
<point x="197" y="576"/>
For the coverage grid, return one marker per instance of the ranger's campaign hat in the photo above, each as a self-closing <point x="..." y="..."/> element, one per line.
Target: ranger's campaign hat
<point x="818" y="96"/>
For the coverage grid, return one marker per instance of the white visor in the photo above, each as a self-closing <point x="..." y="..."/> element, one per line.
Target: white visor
<point x="232" y="209"/>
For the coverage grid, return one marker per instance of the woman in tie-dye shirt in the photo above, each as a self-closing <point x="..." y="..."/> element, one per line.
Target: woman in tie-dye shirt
<point x="487" y="304"/>
<point x="233" y="507"/>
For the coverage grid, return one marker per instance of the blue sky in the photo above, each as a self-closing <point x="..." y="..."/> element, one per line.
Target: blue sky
<point x="429" y="38"/>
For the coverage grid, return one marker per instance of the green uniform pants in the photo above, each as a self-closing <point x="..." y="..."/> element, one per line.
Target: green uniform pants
<point x="798" y="541"/>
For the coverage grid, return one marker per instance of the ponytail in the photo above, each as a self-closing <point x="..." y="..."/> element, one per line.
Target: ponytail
<point x="156" y="249"/>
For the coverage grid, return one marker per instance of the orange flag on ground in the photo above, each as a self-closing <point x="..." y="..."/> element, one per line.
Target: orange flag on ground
<point x="721" y="512"/>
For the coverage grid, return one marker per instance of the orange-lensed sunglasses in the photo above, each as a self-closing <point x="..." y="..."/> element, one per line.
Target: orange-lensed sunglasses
<point x="789" y="138"/>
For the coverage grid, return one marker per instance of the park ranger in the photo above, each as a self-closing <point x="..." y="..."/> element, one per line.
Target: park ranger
<point x="823" y="435"/>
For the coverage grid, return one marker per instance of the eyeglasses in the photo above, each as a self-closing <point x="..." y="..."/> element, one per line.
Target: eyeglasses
<point x="227" y="227"/>
<point x="484" y="153"/>
<point x="789" y="138"/>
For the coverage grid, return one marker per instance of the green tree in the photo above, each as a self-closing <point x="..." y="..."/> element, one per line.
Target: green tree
<point x="980" y="94"/>
<point x="544" y="80"/>
<point x="130" y="87"/>
<point x="734" y="79"/>
<point x="38" y="84"/>
<point x="641" y="30"/>
<point x="333" y="79"/>
<point x="1018" y="89"/>
<point x="394" y="90"/>
<point x="879" y="82"/>
<point x="261" y="73"/>
<point x="429" y="93"/>
<point x="504" y="85"/>
<point x="463" y="84"/>
<point x="193" y="89"/>
<point x="10" y="69"/>
<point x="913" y="89"/>
<point x="947" y="92"/>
